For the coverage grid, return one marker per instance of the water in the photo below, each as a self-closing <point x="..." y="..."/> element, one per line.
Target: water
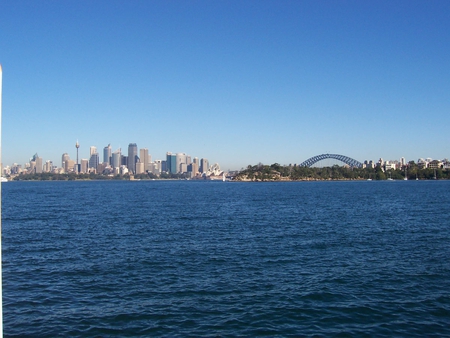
<point x="193" y="259"/>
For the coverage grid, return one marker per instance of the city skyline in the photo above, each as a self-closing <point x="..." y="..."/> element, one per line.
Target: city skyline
<point x="238" y="82"/>
<point x="145" y="157"/>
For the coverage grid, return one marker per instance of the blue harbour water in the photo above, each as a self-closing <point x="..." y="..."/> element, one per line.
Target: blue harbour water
<point x="215" y="259"/>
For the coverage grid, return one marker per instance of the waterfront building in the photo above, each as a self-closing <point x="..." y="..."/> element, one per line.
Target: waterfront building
<point x="123" y="170"/>
<point x="435" y="164"/>
<point x="107" y="154"/>
<point x="422" y="164"/>
<point x="144" y="158"/>
<point x="132" y="157"/>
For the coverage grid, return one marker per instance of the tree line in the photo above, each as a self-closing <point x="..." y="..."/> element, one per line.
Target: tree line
<point x="277" y="172"/>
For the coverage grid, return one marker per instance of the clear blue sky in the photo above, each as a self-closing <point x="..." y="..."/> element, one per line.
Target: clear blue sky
<point x="237" y="82"/>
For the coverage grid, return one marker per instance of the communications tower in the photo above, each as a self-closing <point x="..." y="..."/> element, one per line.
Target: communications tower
<point x="77" y="145"/>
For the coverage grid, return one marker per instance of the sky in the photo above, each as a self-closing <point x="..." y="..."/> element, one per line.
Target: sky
<point x="236" y="82"/>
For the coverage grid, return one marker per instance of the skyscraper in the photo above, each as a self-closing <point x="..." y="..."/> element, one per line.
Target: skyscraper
<point x="84" y="166"/>
<point x="92" y="150"/>
<point x="204" y="165"/>
<point x="37" y="163"/>
<point x="181" y="162"/>
<point x="143" y="156"/>
<point x="64" y="158"/>
<point x="107" y="154"/>
<point x="171" y="163"/>
<point x="116" y="158"/>
<point x="94" y="159"/>
<point x="132" y="157"/>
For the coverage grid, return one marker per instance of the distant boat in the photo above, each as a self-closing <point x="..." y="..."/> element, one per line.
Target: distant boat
<point x="406" y="175"/>
<point x="435" y="175"/>
<point x="3" y="179"/>
<point x="390" y="177"/>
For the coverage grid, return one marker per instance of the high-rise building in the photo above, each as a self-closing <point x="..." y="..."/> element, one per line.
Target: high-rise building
<point x="193" y="168"/>
<point x="204" y="165"/>
<point x="92" y="150"/>
<point x="64" y="158"/>
<point x="69" y="165"/>
<point x="140" y="168"/>
<point x="132" y="157"/>
<point x="143" y="156"/>
<point x="107" y="154"/>
<point x="116" y="159"/>
<point x="181" y="161"/>
<point x="94" y="160"/>
<point x="171" y="163"/>
<point x="84" y="166"/>
<point x="48" y="166"/>
<point x="36" y="164"/>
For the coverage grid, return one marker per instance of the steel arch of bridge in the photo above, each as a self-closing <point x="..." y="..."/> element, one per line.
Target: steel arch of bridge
<point x="347" y="160"/>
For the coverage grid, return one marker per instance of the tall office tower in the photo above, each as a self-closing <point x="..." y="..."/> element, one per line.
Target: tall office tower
<point x="37" y="163"/>
<point x="204" y="165"/>
<point x="143" y="155"/>
<point x="84" y="165"/>
<point x="171" y="163"/>
<point x="116" y="159"/>
<point x="181" y="159"/>
<point x="65" y="157"/>
<point x="94" y="160"/>
<point x="194" y="168"/>
<point x="132" y="157"/>
<point x="107" y="154"/>
<point x="92" y="150"/>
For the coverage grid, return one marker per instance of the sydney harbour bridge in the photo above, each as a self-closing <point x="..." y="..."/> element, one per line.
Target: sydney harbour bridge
<point x="347" y="160"/>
